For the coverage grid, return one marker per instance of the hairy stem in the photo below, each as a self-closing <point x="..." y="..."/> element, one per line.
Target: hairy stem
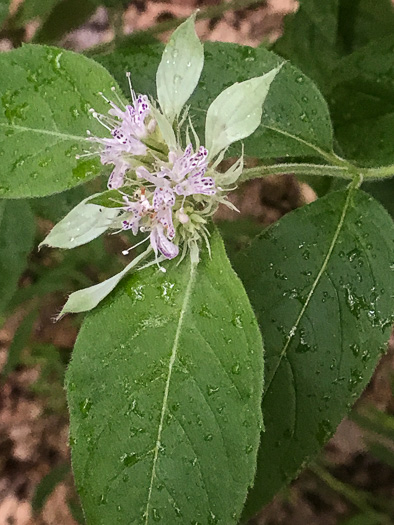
<point x="346" y="171"/>
<point x="297" y="169"/>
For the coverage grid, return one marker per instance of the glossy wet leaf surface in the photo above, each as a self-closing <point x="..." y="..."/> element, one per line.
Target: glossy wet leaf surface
<point x="164" y="391"/>
<point x="320" y="281"/>
<point x="362" y="103"/>
<point x="295" y="119"/>
<point x="310" y="38"/>
<point x="45" y="97"/>
<point x="17" y="228"/>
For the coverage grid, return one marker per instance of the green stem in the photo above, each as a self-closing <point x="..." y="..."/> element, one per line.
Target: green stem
<point x="297" y="169"/>
<point x="346" y="171"/>
<point x="214" y="11"/>
<point x="384" y="172"/>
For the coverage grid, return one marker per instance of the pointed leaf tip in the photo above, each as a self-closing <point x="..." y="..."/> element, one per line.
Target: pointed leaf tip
<point x="81" y="225"/>
<point x="180" y="69"/>
<point x="236" y="112"/>
<point x="88" y="298"/>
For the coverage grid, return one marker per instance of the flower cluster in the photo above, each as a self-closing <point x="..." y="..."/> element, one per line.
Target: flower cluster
<point x="163" y="183"/>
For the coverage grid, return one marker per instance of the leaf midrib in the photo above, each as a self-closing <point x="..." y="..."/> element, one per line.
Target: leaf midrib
<point x="318" y="150"/>
<point x="312" y="290"/>
<point x="171" y="363"/>
<point x="63" y="136"/>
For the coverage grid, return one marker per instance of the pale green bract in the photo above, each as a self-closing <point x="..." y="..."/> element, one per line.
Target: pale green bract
<point x="84" y="223"/>
<point x="236" y="112"/>
<point x="88" y="298"/>
<point x="164" y="182"/>
<point x="180" y="69"/>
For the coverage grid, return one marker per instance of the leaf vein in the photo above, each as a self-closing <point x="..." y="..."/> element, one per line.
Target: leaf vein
<point x="52" y="133"/>
<point x="314" y="285"/>
<point x="174" y="352"/>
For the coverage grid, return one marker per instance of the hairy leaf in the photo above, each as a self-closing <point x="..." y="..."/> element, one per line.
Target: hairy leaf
<point x="179" y="69"/>
<point x="309" y="38"/>
<point x="362" y="103"/>
<point x="320" y="281"/>
<point x="236" y="112"/>
<point x="82" y="224"/>
<point x="164" y="390"/>
<point x="46" y="94"/>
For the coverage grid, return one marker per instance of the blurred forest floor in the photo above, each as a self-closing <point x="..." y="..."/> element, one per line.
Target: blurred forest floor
<point x="33" y="416"/>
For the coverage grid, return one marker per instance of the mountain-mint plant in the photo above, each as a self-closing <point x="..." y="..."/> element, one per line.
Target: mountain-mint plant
<point x="164" y="183"/>
<point x="177" y="414"/>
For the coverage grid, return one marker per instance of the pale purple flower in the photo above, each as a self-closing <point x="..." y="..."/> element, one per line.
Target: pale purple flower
<point x="160" y="243"/>
<point x="128" y="125"/>
<point x="182" y="176"/>
<point x="138" y="209"/>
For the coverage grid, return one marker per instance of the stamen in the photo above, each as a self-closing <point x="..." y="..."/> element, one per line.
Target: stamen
<point x="98" y="118"/>
<point x="113" y="89"/>
<point x="128" y="75"/>
<point x="90" y="154"/>
<point x="104" y="97"/>
<point x="126" y="252"/>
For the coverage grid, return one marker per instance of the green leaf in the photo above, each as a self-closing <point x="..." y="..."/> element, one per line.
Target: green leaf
<point x="309" y="38"/>
<point x="236" y="112"/>
<point x="319" y="33"/>
<point x="295" y="120"/>
<point x="111" y="198"/>
<point x="55" y="207"/>
<point x="362" y="103"/>
<point x="383" y="191"/>
<point x="320" y="281"/>
<point x="17" y="229"/>
<point x="81" y="225"/>
<point x="164" y="390"/>
<point x="47" y="485"/>
<point x="366" y="20"/>
<point x="88" y="298"/>
<point x="44" y="115"/>
<point x="179" y="69"/>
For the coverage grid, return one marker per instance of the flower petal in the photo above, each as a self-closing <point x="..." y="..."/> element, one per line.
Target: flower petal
<point x="236" y="112"/>
<point x="82" y="224"/>
<point x="159" y="242"/>
<point x="179" y="70"/>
